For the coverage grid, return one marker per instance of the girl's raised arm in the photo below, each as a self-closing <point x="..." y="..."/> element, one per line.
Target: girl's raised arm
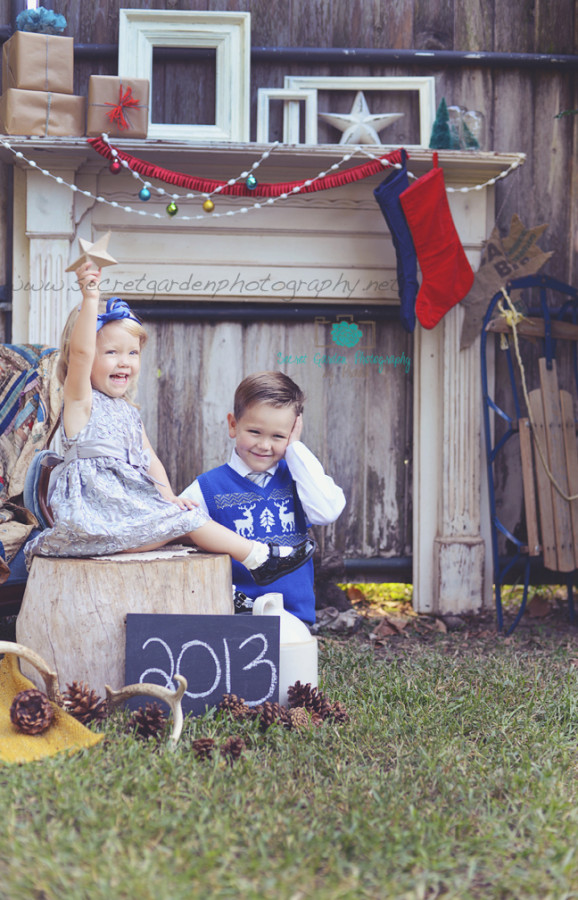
<point x="77" y="386"/>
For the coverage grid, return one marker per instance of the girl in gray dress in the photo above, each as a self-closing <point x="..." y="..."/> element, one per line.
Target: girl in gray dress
<point x="111" y="492"/>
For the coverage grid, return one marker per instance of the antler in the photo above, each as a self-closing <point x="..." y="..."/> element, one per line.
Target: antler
<point x="49" y="675"/>
<point x="173" y="698"/>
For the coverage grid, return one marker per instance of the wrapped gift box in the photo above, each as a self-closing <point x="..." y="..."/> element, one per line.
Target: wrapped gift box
<point x="118" y="106"/>
<point x="41" y="113"/>
<point x="38" y="62"/>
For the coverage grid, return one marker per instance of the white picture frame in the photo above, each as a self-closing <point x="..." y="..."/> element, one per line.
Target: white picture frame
<point x="292" y="100"/>
<point x="424" y="85"/>
<point x="228" y="33"/>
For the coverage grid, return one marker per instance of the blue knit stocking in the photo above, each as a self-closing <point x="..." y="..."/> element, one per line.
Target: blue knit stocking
<point x="387" y="196"/>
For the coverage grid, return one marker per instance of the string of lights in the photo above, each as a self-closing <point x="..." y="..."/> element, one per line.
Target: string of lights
<point x="322" y="180"/>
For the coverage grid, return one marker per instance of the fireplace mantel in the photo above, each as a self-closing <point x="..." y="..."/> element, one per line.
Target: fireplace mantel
<point x="328" y="235"/>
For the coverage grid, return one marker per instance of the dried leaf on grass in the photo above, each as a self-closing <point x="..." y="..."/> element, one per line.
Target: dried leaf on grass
<point x="433" y="625"/>
<point x="334" y="620"/>
<point x="538" y="607"/>
<point x="355" y="595"/>
<point x="387" y="627"/>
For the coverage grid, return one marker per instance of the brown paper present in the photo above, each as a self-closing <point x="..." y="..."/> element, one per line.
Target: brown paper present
<point x="38" y="62"/>
<point x="40" y="113"/>
<point x="118" y="107"/>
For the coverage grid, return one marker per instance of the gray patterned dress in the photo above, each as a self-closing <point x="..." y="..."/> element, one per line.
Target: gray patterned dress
<point x="101" y="497"/>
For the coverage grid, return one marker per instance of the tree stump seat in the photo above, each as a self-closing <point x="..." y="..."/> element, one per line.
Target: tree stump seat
<point x="74" y="610"/>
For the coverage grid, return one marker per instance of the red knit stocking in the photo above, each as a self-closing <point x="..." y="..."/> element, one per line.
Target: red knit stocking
<point x="446" y="273"/>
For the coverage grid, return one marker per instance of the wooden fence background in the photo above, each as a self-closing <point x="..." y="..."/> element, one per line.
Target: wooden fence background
<point x="519" y="103"/>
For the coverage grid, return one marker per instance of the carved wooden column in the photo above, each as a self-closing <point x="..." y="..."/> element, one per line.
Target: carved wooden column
<point x="450" y="562"/>
<point x="42" y="252"/>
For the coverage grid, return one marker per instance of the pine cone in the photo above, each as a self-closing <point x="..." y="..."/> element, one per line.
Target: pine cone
<point x="233" y="748"/>
<point x="31" y="711"/>
<point x="149" y="721"/>
<point x="299" y="717"/>
<point x="84" y="704"/>
<point x="309" y="698"/>
<point x="269" y="713"/>
<point x="297" y="694"/>
<point x="234" y="705"/>
<point x="339" y="713"/>
<point x="203" y="748"/>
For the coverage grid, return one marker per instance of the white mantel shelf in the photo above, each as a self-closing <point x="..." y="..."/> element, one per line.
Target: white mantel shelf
<point x="329" y="234"/>
<point x="460" y="166"/>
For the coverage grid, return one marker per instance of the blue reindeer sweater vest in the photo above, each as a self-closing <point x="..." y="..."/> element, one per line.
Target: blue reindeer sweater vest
<point x="272" y="513"/>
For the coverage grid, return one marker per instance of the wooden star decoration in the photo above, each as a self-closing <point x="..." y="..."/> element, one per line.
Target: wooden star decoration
<point x="96" y="252"/>
<point x="503" y="259"/>
<point x="360" y="126"/>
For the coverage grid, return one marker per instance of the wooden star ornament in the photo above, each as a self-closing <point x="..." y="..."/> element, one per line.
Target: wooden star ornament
<point x="360" y="126"/>
<point x="96" y="252"/>
<point x="503" y="259"/>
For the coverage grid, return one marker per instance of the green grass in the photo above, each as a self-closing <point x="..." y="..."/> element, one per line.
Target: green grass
<point x="456" y="777"/>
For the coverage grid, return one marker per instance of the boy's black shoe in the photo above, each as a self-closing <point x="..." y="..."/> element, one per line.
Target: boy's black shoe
<point x="243" y="604"/>
<point x="276" y="566"/>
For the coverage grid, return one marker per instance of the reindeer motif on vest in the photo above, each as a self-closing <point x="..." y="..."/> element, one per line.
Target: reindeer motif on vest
<point x="287" y="519"/>
<point x="244" y="526"/>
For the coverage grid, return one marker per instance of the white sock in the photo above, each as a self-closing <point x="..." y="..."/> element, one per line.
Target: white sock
<point x="260" y="554"/>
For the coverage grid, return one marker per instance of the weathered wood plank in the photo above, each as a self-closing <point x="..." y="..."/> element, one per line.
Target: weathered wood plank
<point x="473" y="26"/>
<point x="544" y="487"/>
<point x="534" y="328"/>
<point x="571" y="452"/>
<point x="530" y="507"/>
<point x="557" y="464"/>
<point x="434" y="24"/>
<point x="514" y="26"/>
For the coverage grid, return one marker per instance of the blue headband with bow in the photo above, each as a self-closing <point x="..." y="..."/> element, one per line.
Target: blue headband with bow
<point x="115" y="309"/>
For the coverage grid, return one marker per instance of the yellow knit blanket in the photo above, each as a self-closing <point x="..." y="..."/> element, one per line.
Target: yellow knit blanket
<point x="64" y="733"/>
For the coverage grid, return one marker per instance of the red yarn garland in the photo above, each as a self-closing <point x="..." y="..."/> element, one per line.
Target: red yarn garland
<point x="263" y="189"/>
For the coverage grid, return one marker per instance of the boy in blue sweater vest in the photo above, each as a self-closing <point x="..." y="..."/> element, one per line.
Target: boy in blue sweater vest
<point x="273" y="488"/>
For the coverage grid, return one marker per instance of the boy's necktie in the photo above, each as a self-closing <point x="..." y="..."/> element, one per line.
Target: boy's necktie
<point x="259" y="478"/>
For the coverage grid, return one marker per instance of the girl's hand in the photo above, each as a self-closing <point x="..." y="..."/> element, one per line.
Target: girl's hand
<point x="88" y="276"/>
<point x="183" y="502"/>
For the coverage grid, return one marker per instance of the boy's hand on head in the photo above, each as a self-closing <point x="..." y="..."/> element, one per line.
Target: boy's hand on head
<point x="297" y="429"/>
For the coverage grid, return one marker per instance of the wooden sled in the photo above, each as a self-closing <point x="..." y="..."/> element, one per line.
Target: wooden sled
<point x="551" y="519"/>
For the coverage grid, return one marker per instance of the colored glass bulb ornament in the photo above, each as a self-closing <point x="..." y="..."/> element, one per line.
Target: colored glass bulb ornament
<point x="144" y="194"/>
<point x="208" y="206"/>
<point x="115" y="167"/>
<point x="251" y="182"/>
<point x="172" y="209"/>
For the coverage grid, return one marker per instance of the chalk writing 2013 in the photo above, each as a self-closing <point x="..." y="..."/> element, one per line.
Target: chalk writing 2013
<point x="216" y="654"/>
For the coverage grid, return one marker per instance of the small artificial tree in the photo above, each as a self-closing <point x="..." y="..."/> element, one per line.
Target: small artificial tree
<point x="441" y="138"/>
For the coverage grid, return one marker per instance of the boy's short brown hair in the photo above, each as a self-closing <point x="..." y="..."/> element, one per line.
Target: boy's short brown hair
<point x="274" y="388"/>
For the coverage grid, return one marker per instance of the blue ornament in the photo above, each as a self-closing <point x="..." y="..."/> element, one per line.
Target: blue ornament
<point x="144" y="194"/>
<point x="251" y="182"/>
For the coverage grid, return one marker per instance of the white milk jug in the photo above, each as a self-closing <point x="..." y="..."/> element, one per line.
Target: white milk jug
<point x="298" y="650"/>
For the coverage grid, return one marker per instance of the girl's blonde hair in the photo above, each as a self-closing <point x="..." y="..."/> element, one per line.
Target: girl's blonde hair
<point x="133" y="326"/>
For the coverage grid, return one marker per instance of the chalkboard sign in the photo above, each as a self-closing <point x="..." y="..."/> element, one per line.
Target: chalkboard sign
<point x="216" y="654"/>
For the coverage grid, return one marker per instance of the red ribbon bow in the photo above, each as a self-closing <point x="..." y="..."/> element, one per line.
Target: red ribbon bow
<point x="125" y="101"/>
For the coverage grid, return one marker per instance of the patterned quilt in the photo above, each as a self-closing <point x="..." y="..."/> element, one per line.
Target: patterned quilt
<point x="30" y="401"/>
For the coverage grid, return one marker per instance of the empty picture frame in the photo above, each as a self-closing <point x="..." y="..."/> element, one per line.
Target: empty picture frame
<point x="425" y="86"/>
<point x="292" y="100"/>
<point x="228" y="33"/>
